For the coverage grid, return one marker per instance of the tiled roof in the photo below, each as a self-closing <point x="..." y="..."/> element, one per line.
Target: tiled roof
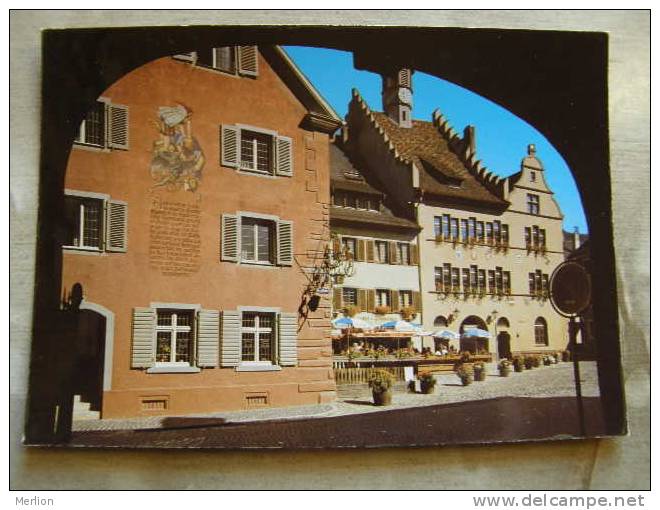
<point x="442" y="173"/>
<point x="345" y="175"/>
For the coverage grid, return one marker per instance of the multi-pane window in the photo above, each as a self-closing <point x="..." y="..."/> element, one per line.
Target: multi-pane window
<point x="482" y="281"/>
<point x="439" y="282"/>
<point x="222" y="59"/>
<point x="349" y="245"/>
<point x="83" y="219"/>
<point x="92" y="128"/>
<point x="257" y="336"/>
<point x="382" y="252"/>
<point x="437" y="226"/>
<point x="535" y="237"/>
<point x="256" y="151"/>
<point x="257" y="240"/>
<point x="533" y="204"/>
<point x="497" y="232"/>
<point x="455" y="279"/>
<point x="472" y="226"/>
<point x="506" y="282"/>
<point x="498" y="280"/>
<point x="446" y="277"/>
<point x="540" y="331"/>
<point x="349" y="296"/>
<point x="464" y="230"/>
<point x="489" y="233"/>
<point x="405" y="298"/>
<point x="480" y="232"/>
<point x="473" y="278"/>
<point x="174" y="336"/>
<point x="538" y="284"/>
<point x="403" y="253"/>
<point x="382" y="297"/>
<point x="505" y="235"/>
<point x="355" y="201"/>
<point x="454" y="229"/>
<point x="466" y="280"/>
<point x="445" y="226"/>
<point x="491" y="281"/>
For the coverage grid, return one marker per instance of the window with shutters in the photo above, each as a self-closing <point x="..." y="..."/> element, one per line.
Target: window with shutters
<point x="253" y="238"/>
<point x="349" y="296"/>
<point x="236" y="60"/>
<point x="94" y="222"/>
<point x="105" y="126"/>
<point x="257" y="337"/>
<point x="257" y="236"/>
<point x="405" y="298"/>
<point x="382" y="252"/>
<point x="349" y="246"/>
<point x="255" y="150"/>
<point x="403" y="253"/>
<point x="383" y="297"/>
<point x="175" y="336"/>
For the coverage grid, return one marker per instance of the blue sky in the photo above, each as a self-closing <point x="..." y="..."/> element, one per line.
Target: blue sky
<point x="502" y="138"/>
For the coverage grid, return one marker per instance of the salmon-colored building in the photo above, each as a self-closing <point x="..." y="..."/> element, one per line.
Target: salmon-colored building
<point x="197" y="204"/>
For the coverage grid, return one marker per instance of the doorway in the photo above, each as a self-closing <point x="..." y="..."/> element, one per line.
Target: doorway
<point x="504" y="345"/>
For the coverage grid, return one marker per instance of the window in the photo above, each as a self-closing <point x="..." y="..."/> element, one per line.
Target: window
<point x="505" y="235"/>
<point x="94" y="222"/>
<point x="473" y="278"/>
<point x="497" y="231"/>
<point x="445" y="226"/>
<point x="257" y="237"/>
<point x="349" y="296"/>
<point x="540" y="331"/>
<point x="438" y="279"/>
<point x="498" y="281"/>
<point x="491" y="281"/>
<point x="482" y="281"/>
<point x="440" y="322"/>
<point x="472" y="222"/>
<point x="533" y="206"/>
<point x="489" y="233"/>
<point x="454" y="229"/>
<point x="466" y="280"/>
<point x="92" y="128"/>
<point x="256" y="240"/>
<point x="538" y="284"/>
<point x="240" y="60"/>
<point x="355" y="201"/>
<point x="105" y="126"/>
<point x="480" y="232"/>
<point x="464" y="230"/>
<point x="455" y="279"/>
<point x="382" y="252"/>
<point x="174" y="336"/>
<point x="506" y="282"/>
<point x="403" y="253"/>
<point x="257" y="337"/>
<point x="84" y="222"/>
<point x="437" y="226"/>
<point x="532" y="176"/>
<point x="528" y="238"/>
<point x="256" y="150"/>
<point x="349" y="245"/>
<point x="382" y="297"/>
<point x="446" y="277"/>
<point x="405" y="298"/>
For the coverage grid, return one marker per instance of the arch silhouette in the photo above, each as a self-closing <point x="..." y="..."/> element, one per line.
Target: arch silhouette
<point x="556" y="81"/>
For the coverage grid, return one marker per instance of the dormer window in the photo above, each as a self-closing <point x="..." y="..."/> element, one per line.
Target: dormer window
<point x="240" y="60"/>
<point x="360" y="201"/>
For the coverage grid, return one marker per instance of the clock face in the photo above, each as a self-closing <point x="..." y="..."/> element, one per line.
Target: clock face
<point x="405" y="96"/>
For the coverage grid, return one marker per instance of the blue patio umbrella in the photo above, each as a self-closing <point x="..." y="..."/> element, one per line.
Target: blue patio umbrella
<point x="476" y="333"/>
<point x="445" y="333"/>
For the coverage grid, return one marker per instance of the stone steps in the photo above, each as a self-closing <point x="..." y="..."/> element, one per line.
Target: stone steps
<point x="82" y="410"/>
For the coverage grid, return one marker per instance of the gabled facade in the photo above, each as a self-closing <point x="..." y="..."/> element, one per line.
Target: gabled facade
<point x="487" y="245"/>
<point x="381" y="238"/>
<point x="196" y="199"/>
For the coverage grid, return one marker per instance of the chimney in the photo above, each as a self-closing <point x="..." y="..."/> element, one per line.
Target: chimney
<point x="576" y="238"/>
<point x="470" y="139"/>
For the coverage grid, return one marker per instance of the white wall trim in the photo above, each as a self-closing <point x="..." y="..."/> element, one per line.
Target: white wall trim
<point x="109" y="339"/>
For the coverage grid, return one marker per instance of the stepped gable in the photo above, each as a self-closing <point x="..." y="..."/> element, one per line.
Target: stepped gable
<point x="344" y="175"/>
<point x="442" y="171"/>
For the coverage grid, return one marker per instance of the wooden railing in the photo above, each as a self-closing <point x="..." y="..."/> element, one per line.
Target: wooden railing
<point x="360" y="375"/>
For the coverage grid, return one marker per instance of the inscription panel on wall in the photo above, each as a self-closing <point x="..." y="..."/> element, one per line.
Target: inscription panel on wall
<point x="174" y="240"/>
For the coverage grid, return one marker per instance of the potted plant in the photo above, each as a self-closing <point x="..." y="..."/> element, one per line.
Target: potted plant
<point x="547" y="360"/>
<point x="382" y="309"/>
<point x="380" y="382"/>
<point x="351" y="310"/>
<point x="566" y="356"/>
<point x="408" y="313"/>
<point x="479" y="371"/>
<point x="504" y="367"/>
<point x="465" y="375"/>
<point x="529" y="362"/>
<point x="427" y="382"/>
<point x="518" y="364"/>
<point x="536" y="361"/>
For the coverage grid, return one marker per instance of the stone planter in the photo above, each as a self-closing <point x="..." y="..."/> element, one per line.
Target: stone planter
<point x="382" y="398"/>
<point x="504" y="372"/>
<point x="466" y="379"/>
<point x="479" y="374"/>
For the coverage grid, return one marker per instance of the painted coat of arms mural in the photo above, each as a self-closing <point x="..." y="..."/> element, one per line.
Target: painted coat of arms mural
<point x="178" y="159"/>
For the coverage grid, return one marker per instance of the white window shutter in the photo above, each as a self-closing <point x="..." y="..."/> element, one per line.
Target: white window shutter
<point x="230" y="143"/>
<point x="247" y="60"/>
<point x="230" y="238"/>
<point x="117" y="126"/>
<point x="142" y="349"/>
<point x="285" y="243"/>
<point x="284" y="151"/>
<point x="208" y="338"/>
<point x="288" y="339"/>
<point x="186" y="57"/>
<point x="116" y="226"/>
<point x="230" y="340"/>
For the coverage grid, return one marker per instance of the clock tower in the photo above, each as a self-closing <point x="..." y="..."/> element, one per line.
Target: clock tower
<point x="397" y="96"/>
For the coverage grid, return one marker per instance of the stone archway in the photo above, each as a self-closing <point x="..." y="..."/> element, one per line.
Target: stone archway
<point x="472" y="344"/>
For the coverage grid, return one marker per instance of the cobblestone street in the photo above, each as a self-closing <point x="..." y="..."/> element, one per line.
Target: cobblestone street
<point x="534" y="404"/>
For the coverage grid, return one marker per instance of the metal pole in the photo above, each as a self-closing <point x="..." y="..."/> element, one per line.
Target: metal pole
<point x="572" y="331"/>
